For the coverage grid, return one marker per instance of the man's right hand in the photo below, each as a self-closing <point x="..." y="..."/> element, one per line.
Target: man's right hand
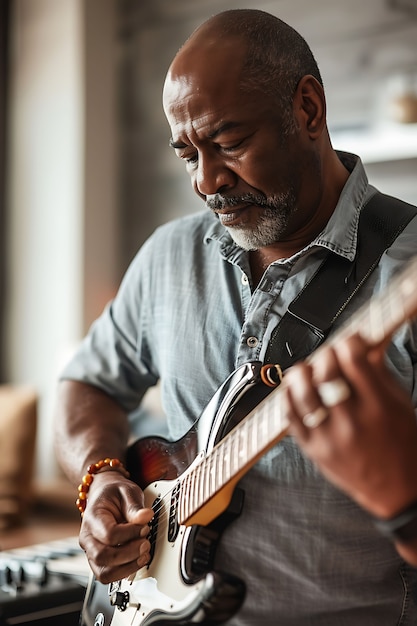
<point x="115" y="527"/>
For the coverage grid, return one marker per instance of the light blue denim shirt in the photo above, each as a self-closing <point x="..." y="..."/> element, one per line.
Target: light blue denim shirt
<point x="187" y="315"/>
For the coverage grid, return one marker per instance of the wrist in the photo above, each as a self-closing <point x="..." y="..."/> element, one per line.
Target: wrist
<point x="401" y="527"/>
<point x="102" y="466"/>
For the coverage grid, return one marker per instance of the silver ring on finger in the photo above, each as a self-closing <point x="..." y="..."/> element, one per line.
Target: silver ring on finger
<point x="333" y="392"/>
<point x="315" y="418"/>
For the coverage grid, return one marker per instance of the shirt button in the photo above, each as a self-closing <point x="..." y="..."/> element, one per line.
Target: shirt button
<point x="245" y="279"/>
<point x="252" y="342"/>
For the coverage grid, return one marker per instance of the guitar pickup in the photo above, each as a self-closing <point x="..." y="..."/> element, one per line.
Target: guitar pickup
<point x="173" y="526"/>
<point x="153" y="527"/>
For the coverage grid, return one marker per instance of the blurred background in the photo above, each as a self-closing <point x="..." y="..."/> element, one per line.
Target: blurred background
<point x="85" y="169"/>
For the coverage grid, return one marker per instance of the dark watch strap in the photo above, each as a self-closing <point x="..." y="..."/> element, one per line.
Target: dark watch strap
<point x="402" y="527"/>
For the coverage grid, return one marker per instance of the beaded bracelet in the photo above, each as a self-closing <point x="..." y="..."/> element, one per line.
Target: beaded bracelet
<point x="94" y="468"/>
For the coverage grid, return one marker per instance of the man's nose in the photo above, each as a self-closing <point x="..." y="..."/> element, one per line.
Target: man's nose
<point x="212" y="176"/>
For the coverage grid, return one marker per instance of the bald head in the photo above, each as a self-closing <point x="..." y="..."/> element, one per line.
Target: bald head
<point x="274" y="57"/>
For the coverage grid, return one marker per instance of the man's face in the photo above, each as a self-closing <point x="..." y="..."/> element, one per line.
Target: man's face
<point x="240" y="160"/>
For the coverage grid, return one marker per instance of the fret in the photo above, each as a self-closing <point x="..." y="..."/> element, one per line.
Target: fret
<point x="206" y="473"/>
<point x="277" y="415"/>
<point x="184" y="496"/>
<point x="235" y="449"/>
<point x="262" y="430"/>
<point x="190" y="498"/>
<point x="266" y="424"/>
<point x="202" y="481"/>
<point x="253" y="435"/>
<point x="192" y="490"/>
<point x="260" y="426"/>
<point x="199" y="491"/>
<point x="196" y="485"/>
<point x="227" y="459"/>
<point x="216" y="469"/>
<point x="243" y="444"/>
<point x="268" y="417"/>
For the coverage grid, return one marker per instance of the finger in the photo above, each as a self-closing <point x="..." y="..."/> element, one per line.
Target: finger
<point x="121" y="559"/>
<point x="125" y="533"/>
<point x="109" y="573"/>
<point x="327" y="364"/>
<point x="301" y="389"/>
<point x="356" y="358"/>
<point x="303" y="405"/>
<point x="315" y="418"/>
<point x="334" y="392"/>
<point x="139" y="550"/>
<point x="116" y="516"/>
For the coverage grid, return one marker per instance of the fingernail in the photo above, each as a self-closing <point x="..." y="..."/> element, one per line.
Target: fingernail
<point x="143" y="561"/>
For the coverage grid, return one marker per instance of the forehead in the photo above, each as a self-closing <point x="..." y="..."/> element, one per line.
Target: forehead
<point x="203" y="86"/>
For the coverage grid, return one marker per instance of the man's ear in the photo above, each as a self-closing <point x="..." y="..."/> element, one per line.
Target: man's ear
<point x="310" y="106"/>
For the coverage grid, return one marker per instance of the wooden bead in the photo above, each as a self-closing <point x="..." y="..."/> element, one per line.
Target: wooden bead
<point x="94" y="468"/>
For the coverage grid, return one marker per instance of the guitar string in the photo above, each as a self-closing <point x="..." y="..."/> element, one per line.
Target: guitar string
<point x="370" y="316"/>
<point x="215" y="464"/>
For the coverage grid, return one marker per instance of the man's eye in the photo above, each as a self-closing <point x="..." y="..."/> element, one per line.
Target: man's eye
<point x="190" y="160"/>
<point x="231" y="148"/>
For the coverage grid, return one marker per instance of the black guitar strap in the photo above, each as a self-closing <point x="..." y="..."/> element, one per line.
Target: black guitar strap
<point x="311" y="314"/>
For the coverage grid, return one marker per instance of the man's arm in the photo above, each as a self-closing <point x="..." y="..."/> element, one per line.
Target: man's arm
<point x="90" y="426"/>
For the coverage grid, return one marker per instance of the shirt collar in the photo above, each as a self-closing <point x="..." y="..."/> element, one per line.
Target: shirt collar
<point x="340" y="232"/>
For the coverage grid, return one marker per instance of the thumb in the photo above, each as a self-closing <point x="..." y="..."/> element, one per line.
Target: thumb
<point x="133" y="507"/>
<point x="138" y="515"/>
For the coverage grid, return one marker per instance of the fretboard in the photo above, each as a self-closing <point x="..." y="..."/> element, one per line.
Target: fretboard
<point x="263" y="427"/>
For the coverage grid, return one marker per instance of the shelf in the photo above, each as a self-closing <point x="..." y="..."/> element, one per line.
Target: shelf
<point x="388" y="142"/>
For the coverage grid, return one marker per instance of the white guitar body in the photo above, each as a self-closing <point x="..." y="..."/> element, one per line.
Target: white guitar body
<point x="179" y="584"/>
<point x="158" y="592"/>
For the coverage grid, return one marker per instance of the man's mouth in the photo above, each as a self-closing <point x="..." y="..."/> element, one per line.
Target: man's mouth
<point x="231" y="216"/>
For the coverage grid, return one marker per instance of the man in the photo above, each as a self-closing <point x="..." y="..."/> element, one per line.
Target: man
<point x="246" y="109"/>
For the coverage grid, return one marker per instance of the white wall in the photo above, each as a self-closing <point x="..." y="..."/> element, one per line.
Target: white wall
<point x="45" y="197"/>
<point x="61" y="192"/>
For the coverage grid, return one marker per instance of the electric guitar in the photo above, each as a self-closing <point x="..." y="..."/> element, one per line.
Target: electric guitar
<point x="191" y="486"/>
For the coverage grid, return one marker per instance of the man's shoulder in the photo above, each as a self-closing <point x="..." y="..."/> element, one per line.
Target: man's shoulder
<point x="399" y="216"/>
<point x="381" y="198"/>
<point x="399" y="219"/>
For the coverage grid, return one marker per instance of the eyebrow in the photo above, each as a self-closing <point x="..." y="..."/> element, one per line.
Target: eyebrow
<point x="178" y="145"/>
<point x="224" y="128"/>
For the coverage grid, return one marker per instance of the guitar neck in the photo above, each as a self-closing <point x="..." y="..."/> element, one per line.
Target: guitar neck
<point x="267" y="424"/>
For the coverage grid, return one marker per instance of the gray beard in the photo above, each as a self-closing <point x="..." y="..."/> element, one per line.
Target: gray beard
<point x="272" y="224"/>
<point x="268" y="231"/>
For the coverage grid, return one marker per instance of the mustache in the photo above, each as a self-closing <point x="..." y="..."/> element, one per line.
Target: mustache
<point x="218" y="202"/>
